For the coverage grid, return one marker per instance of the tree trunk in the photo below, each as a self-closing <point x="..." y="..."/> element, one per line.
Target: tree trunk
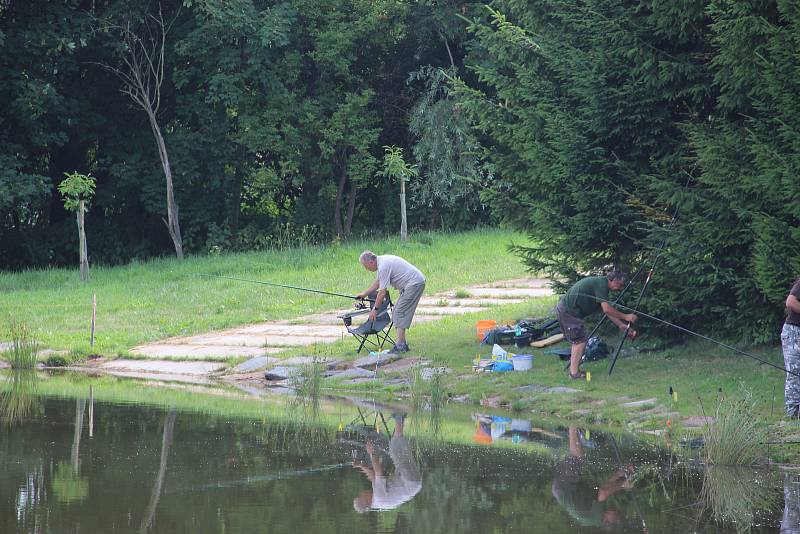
<point x="337" y="206"/>
<point x="173" y="226"/>
<point x="83" y="252"/>
<point x="351" y="207"/>
<point x="403" y="226"/>
<point x="236" y="204"/>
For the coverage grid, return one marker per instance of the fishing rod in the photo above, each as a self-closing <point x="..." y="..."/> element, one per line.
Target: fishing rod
<point x="701" y="336"/>
<point x="646" y="282"/>
<point x="288" y="287"/>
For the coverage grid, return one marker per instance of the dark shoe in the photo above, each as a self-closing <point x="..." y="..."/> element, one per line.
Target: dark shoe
<point x="580" y="375"/>
<point x="399" y="349"/>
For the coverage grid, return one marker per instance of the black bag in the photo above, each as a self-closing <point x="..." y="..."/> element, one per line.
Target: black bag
<point x="540" y="328"/>
<point x="596" y="349"/>
<point x="503" y="335"/>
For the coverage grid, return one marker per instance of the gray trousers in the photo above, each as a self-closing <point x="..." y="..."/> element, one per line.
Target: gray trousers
<point x="790" y="341"/>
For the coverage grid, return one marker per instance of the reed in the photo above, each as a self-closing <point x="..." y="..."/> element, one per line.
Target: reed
<point x="24" y="348"/>
<point x="735" y="436"/>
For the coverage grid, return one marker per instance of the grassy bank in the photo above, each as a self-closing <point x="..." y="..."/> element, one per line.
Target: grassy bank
<point x="700" y="375"/>
<point x="161" y="298"/>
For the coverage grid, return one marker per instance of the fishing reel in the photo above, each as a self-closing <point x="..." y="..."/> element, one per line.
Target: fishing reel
<point x="359" y="305"/>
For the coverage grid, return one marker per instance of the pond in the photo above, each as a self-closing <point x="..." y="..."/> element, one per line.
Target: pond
<point x="89" y="462"/>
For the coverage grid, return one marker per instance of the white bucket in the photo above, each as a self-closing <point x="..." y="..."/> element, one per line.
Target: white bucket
<point x="522" y="362"/>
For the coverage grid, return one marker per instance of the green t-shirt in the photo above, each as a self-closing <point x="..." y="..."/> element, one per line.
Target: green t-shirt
<point x="584" y="298"/>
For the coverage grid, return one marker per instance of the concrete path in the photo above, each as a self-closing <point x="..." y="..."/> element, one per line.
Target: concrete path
<point x="269" y="338"/>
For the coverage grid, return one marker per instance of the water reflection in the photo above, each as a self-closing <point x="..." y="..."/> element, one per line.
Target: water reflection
<point x="790" y="521"/>
<point x="390" y="488"/>
<point x="741" y="496"/>
<point x="585" y="501"/>
<point x="155" y="494"/>
<point x="496" y="428"/>
<point x="18" y="398"/>
<point x="146" y="471"/>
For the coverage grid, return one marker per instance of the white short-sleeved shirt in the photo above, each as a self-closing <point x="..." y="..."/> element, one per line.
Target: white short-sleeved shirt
<point x="397" y="272"/>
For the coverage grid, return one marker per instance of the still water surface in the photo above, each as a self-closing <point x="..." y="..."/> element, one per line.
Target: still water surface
<point x="77" y="466"/>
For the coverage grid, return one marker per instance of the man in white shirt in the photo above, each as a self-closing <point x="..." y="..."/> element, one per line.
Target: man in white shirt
<point x="396" y="272"/>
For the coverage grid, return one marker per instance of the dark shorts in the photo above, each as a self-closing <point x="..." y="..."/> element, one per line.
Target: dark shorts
<point x="571" y="326"/>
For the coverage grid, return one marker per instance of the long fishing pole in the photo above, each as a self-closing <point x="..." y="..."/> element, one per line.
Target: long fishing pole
<point x="701" y="336"/>
<point x="287" y="287"/>
<point x="646" y="284"/>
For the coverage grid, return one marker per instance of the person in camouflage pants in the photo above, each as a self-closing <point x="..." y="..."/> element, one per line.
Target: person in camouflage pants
<point x="790" y="342"/>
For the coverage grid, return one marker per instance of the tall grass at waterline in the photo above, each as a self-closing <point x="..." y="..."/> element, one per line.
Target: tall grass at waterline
<point x="146" y="301"/>
<point x="736" y="435"/>
<point x="24" y="349"/>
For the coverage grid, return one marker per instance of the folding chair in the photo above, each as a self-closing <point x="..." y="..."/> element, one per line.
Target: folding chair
<point x="379" y="329"/>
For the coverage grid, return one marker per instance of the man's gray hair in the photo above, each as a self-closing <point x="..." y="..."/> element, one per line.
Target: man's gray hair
<point x="617" y="274"/>
<point x="366" y="256"/>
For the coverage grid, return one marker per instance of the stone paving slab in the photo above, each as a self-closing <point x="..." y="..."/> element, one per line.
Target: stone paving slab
<point x="166" y="350"/>
<point x="273" y="337"/>
<point x="450" y="301"/>
<point x="514" y="292"/>
<point x="382" y="358"/>
<point x="163" y="366"/>
<point x="640" y="403"/>
<point x="520" y="282"/>
<point x="256" y="363"/>
<point x="448" y="310"/>
<point x="287" y="329"/>
<point x="403" y="365"/>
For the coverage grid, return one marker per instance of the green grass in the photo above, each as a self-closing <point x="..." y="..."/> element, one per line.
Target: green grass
<point x="153" y="300"/>
<point x="698" y="371"/>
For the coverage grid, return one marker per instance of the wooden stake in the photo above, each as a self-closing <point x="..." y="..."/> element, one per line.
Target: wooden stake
<point x="91" y="412"/>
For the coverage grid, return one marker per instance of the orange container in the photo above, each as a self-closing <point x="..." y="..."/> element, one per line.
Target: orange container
<point x="481" y="327"/>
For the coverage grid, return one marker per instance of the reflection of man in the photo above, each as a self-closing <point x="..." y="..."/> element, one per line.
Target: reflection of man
<point x="790" y="522"/>
<point x="389" y="492"/>
<point x="585" y="502"/>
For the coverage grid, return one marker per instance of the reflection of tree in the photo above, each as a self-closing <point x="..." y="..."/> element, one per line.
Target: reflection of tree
<point x="738" y="494"/>
<point x="166" y="442"/>
<point x="19" y="400"/>
<point x="68" y="487"/>
<point x="80" y="409"/>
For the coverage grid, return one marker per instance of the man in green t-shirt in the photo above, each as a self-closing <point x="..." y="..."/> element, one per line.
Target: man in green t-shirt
<point x="588" y="296"/>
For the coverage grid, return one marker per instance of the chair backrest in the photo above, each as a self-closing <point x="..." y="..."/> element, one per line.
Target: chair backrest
<point x="384" y="307"/>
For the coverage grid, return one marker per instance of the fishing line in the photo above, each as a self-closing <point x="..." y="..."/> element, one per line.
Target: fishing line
<point x="286" y="286"/>
<point x="701" y="336"/>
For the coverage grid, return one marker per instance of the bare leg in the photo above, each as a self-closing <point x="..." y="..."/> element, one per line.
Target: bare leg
<point x="401" y="336"/>
<point x="576" y="354"/>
